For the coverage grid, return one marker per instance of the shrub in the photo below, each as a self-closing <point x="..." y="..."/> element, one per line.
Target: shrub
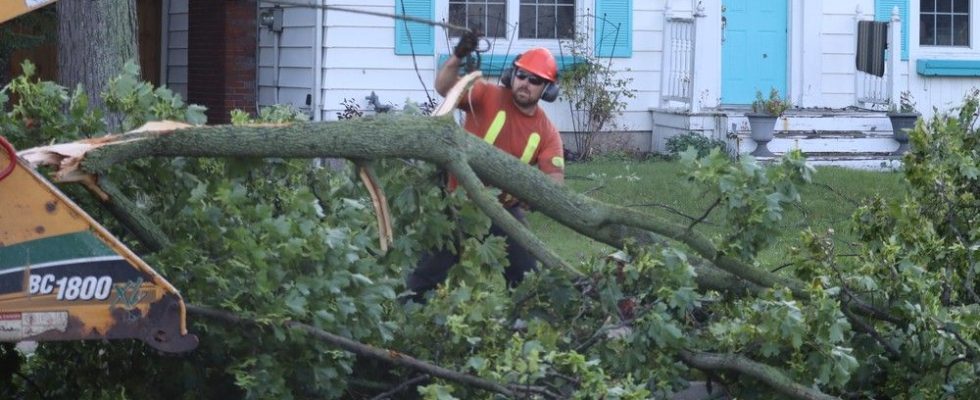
<point x="702" y="144"/>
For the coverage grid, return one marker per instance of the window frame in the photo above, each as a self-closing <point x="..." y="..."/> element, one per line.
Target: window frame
<point x="952" y="14"/>
<point x="513" y="17"/>
<point x="507" y="14"/>
<point x="933" y="51"/>
<point x="537" y="6"/>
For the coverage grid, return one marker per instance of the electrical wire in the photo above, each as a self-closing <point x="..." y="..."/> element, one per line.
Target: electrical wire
<point x="403" y="17"/>
<point x="11" y="156"/>
<point x="415" y="63"/>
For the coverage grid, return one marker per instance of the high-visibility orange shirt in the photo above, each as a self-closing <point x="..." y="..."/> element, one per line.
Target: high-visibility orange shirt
<point x="492" y="115"/>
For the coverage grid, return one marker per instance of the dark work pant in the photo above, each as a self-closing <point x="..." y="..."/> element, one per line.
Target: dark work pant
<point x="435" y="264"/>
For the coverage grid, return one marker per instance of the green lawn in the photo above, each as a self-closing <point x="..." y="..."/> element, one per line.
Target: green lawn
<point x="657" y="187"/>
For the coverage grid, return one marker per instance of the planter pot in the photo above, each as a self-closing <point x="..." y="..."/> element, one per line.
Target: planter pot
<point x="902" y="123"/>
<point x="763" y="127"/>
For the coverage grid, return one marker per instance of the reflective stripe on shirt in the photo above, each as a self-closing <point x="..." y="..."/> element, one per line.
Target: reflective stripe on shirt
<point x="531" y="147"/>
<point x="495" y="127"/>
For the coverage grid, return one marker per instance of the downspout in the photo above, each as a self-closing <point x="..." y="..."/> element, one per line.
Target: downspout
<point x="258" y="52"/>
<point x="165" y="44"/>
<point x="320" y="30"/>
<point x="275" y="64"/>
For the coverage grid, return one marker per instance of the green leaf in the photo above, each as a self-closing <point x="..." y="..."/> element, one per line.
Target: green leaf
<point x="296" y="302"/>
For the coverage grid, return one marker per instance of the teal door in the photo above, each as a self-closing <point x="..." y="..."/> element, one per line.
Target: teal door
<point x="753" y="50"/>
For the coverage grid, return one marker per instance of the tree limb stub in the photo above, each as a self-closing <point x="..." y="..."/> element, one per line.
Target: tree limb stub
<point x="380" y="202"/>
<point x="772" y="376"/>
<point x="386" y="355"/>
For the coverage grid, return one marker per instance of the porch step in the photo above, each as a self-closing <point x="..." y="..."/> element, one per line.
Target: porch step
<point x="866" y="162"/>
<point x="853" y="139"/>
<point x="868" y="122"/>
<point x="816" y="143"/>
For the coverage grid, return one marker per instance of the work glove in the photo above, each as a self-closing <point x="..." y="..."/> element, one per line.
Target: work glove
<point x="467" y="43"/>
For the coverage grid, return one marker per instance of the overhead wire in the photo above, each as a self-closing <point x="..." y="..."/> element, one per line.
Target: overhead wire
<point x="415" y="63"/>
<point x="403" y="16"/>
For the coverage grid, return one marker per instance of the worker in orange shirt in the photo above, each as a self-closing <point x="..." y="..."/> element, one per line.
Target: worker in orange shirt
<point x="508" y="117"/>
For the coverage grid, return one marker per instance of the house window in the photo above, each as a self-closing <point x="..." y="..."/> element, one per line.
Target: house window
<point x="547" y="19"/>
<point x="944" y="23"/>
<point x="538" y="19"/>
<point x="486" y="16"/>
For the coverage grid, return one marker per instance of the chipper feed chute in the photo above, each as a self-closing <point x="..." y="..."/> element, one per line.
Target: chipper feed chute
<point x="64" y="277"/>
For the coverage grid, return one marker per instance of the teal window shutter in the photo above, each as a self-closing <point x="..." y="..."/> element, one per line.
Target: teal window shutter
<point x="413" y="37"/>
<point x="614" y="28"/>
<point x="883" y="12"/>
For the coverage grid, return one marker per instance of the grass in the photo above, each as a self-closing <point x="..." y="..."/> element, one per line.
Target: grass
<point x="658" y="188"/>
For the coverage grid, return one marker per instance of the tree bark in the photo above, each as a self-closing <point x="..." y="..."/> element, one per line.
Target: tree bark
<point x="771" y="376"/>
<point x="95" y="39"/>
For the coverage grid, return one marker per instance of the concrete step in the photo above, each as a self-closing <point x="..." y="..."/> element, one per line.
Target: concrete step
<point x="822" y="120"/>
<point x="851" y="137"/>
<point x="834" y="136"/>
<point x="850" y="160"/>
<point x="818" y="143"/>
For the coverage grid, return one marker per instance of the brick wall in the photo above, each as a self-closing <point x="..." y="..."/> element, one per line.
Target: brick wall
<point x="221" y="56"/>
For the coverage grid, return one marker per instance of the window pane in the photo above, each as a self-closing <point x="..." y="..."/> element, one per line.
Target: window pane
<point x="487" y="16"/>
<point x="547" y="19"/>
<point x="961" y="30"/>
<point x="475" y="15"/>
<point x="927" y="29"/>
<point x="566" y="22"/>
<point x="961" y="6"/>
<point x="546" y="22"/>
<point x="944" y="30"/>
<point x="527" y="24"/>
<point x="928" y="5"/>
<point x="497" y="20"/>
<point x="457" y="14"/>
<point x="944" y="5"/>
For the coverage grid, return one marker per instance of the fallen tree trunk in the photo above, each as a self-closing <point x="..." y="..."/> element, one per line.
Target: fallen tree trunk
<point x="441" y="141"/>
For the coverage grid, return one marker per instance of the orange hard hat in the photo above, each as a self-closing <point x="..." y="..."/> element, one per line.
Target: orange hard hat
<point x="540" y="62"/>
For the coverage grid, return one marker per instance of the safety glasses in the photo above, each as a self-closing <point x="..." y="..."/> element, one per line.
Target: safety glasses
<point x="531" y="78"/>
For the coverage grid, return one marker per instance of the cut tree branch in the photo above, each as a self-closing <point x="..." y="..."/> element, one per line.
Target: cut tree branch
<point x="769" y="375"/>
<point x="130" y="215"/>
<point x="386" y="355"/>
<point x="505" y="220"/>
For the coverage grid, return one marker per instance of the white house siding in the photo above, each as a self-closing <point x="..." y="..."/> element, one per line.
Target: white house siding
<point x="291" y="81"/>
<point x="838" y="42"/>
<point x="175" y="59"/>
<point x="359" y="57"/>
<point x="839" y="46"/>
<point x="643" y="67"/>
<point x="941" y="92"/>
<point x="944" y="93"/>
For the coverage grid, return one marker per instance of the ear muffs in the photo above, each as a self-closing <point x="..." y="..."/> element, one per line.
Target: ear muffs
<point x="507" y="76"/>
<point x="550" y="93"/>
<point x="551" y="90"/>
